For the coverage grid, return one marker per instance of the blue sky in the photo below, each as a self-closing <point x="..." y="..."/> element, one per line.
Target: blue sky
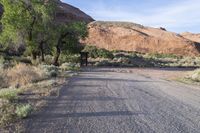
<point x="174" y="15"/>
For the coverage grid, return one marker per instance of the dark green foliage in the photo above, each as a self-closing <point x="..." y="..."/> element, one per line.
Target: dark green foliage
<point x="94" y="52"/>
<point x="68" y="36"/>
<point x="30" y="23"/>
<point x="27" y="22"/>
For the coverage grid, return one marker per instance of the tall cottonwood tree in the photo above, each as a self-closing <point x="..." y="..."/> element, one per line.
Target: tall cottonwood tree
<point x="25" y="20"/>
<point x="68" y="36"/>
<point x="32" y="21"/>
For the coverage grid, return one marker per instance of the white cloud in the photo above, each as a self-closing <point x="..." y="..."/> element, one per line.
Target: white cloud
<point x="177" y="15"/>
<point x="182" y="14"/>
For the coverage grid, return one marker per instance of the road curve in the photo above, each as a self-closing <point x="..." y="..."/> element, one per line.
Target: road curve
<point x="104" y="101"/>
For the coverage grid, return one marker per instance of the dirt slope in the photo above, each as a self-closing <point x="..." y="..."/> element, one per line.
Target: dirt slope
<point x="135" y="37"/>
<point x="191" y="36"/>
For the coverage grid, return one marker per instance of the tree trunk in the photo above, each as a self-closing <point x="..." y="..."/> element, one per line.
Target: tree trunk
<point x="30" y="37"/>
<point x="42" y="50"/>
<point x="34" y="55"/>
<point x="58" y="52"/>
<point x="58" y="48"/>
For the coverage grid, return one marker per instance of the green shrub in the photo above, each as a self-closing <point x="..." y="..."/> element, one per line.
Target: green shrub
<point x="2" y="61"/>
<point x="53" y="73"/>
<point x="3" y="79"/>
<point x="94" y="52"/>
<point x="103" y="63"/>
<point x="23" y="111"/>
<point x="9" y="94"/>
<point x="195" y="76"/>
<point x="157" y="55"/>
<point x="70" y="67"/>
<point x="70" y="58"/>
<point x="50" y="70"/>
<point x="7" y="114"/>
<point x="103" y="53"/>
<point x="48" y="59"/>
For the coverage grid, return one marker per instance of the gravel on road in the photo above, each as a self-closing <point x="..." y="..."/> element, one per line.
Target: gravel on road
<point x="105" y="101"/>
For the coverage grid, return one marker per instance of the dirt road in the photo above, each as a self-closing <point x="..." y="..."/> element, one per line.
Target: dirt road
<point x="104" y="101"/>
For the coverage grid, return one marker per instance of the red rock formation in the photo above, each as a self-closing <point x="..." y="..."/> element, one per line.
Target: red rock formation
<point x="191" y="36"/>
<point x="135" y="37"/>
<point x="68" y="13"/>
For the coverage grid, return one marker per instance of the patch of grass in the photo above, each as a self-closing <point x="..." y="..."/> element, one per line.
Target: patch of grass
<point x="7" y="114"/>
<point x="71" y="58"/>
<point x="135" y="59"/>
<point x="191" y="78"/>
<point x="50" y="70"/>
<point x="22" y="111"/>
<point x="70" y="67"/>
<point x="157" y="55"/>
<point x="23" y="74"/>
<point x="9" y="94"/>
<point x="53" y="73"/>
<point x="3" y="83"/>
<point x="194" y="76"/>
<point x="2" y="60"/>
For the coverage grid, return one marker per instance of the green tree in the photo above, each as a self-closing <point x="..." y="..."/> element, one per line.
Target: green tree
<point x="24" y="20"/>
<point x="68" y="36"/>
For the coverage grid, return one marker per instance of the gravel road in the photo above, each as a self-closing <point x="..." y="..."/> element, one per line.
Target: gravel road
<point x="105" y="101"/>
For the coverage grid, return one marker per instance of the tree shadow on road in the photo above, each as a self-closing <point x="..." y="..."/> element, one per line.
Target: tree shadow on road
<point x="54" y="116"/>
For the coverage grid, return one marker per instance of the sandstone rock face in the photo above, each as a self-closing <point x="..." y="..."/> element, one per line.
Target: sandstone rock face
<point x="191" y="36"/>
<point x="135" y="37"/>
<point x="67" y="13"/>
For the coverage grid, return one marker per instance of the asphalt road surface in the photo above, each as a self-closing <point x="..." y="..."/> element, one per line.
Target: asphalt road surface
<point x="103" y="101"/>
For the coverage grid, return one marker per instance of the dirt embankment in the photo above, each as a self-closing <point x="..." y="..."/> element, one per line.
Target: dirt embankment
<point x="191" y="36"/>
<point x="135" y="37"/>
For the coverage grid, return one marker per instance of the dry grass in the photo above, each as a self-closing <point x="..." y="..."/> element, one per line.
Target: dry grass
<point x="191" y="78"/>
<point x="2" y="79"/>
<point x="195" y="76"/>
<point x="23" y="74"/>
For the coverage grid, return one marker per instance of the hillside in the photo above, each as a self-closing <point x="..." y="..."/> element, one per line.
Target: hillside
<point x="68" y="13"/>
<point x="135" y="37"/>
<point x="191" y="36"/>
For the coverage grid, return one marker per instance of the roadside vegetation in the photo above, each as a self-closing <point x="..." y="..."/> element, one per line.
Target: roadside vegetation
<point x="192" y="78"/>
<point x="21" y="82"/>
<point x="37" y="54"/>
<point x="102" y="57"/>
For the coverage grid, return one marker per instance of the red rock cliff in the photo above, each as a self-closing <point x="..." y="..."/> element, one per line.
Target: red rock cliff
<point x="135" y="37"/>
